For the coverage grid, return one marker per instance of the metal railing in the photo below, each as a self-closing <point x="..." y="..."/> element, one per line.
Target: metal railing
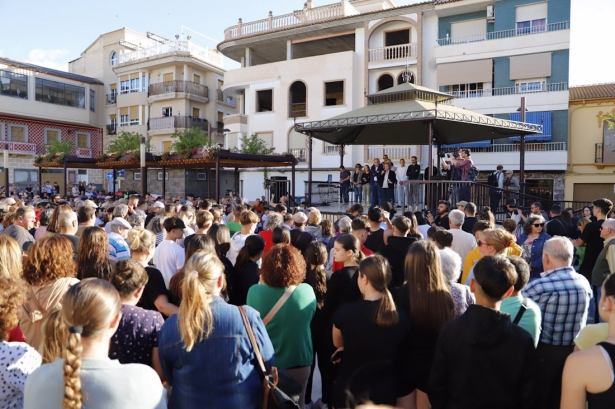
<point x="393" y="152"/>
<point x="331" y="149"/>
<point x="496" y="92"/>
<point x="206" y="55"/>
<point x="84" y="152"/>
<point x="529" y="147"/>
<point x="599" y="156"/>
<point x="296" y="18"/>
<point x="226" y="99"/>
<point x="188" y="87"/>
<point x="495" y="35"/>
<point x="171" y="122"/>
<point x="112" y="99"/>
<point x="393" y="52"/>
<point x="300" y="154"/>
<point x="111" y="129"/>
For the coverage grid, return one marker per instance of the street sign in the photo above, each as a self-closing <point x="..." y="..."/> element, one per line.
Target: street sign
<point x="120" y="174"/>
<point x="109" y="175"/>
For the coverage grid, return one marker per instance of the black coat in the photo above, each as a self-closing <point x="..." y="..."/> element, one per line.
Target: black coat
<point x="392" y="178"/>
<point x="395" y="252"/>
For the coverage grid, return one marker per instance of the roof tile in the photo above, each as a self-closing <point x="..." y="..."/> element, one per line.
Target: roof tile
<point x="594" y="91"/>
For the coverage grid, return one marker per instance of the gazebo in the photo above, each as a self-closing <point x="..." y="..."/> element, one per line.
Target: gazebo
<point x="409" y="114"/>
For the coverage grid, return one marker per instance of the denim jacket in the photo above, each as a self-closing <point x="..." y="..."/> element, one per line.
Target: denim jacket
<point x="537" y="244"/>
<point x="219" y="371"/>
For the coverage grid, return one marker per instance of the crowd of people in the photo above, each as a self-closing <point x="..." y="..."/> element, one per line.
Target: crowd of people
<point x="133" y="303"/>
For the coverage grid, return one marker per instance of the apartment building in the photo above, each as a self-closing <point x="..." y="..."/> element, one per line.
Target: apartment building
<point x="591" y="150"/>
<point x="156" y="86"/>
<point x="489" y="54"/>
<point x="39" y="105"/>
<point x="316" y="63"/>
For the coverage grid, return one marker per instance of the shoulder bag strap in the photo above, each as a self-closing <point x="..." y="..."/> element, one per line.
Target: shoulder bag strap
<point x="522" y="310"/>
<point x="253" y="340"/>
<point x="36" y="301"/>
<point x="289" y="291"/>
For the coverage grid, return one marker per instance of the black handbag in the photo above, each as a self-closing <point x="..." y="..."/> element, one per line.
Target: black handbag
<point x="280" y="390"/>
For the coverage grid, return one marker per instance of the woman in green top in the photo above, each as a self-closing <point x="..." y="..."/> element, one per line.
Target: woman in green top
<point x="283" y="272"/>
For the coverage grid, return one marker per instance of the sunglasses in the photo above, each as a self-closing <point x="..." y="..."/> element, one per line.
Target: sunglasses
<point x="538" y="225"/>
<point x="480" y="243"/>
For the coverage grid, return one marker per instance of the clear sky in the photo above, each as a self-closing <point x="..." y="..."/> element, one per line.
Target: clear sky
<point x="51" y="33"/>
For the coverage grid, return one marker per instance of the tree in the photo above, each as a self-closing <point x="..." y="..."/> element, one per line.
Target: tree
<point x="60" y="147"/>
<point x="189" y="140"/>
<point x="609" y="117"/>
<point x="128" y="141"/>
<point x="255" y="146"/>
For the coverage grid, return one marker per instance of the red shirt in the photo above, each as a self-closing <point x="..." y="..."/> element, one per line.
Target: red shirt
<point x="15" y="335"/>
<point x="338" y="266"/>
<point x="266" y="234"/>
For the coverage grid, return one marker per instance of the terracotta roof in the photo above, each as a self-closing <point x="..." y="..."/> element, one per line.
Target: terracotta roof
<point x="50" y="71"/>
<point x="595" y="91"/>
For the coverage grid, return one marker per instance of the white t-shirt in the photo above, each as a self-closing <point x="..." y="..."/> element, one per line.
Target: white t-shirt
<point x="462" y="243"/>
<point x="19" y="360"/>
<point x="400" y="172"/>
<point x="169" y="258"/>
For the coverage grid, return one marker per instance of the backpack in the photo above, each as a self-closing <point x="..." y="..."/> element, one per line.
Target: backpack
<point x="493" y="179"/>
<point x="472" y="174"/>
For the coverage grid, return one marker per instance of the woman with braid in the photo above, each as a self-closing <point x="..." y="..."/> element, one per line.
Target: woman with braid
<point x="86" y="377"/>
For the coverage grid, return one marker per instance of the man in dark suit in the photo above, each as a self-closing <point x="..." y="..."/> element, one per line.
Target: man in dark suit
<point x="387" y="182"/>
<point x="374" y="179"/>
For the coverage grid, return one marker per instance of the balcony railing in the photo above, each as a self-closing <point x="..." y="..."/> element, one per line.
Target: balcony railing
<point x="331" y="149"/>
<point x="112" y="99"/>
<point x="296" y="18"/>
<point x="188" y="87"/>
<point x="171" y="122"/>
<point x="20" y="147"/>
<point x="111" y="129"/>
<point x="205" y="55"/>
<point x="496" y="92"/>
<point x="495" y="35"/>
<point x="84" y="152"/>
<point x="300" y="154"/>
<point x="529" y="147"/>
<point x="226" y="99"/>
<point x="599" y="153"/>
<point x="393" y="52"/>
<point x="393" y="152"/>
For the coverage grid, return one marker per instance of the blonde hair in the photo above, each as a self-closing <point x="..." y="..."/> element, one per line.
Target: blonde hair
<point x="498" y="238"/>
<point x="55" y="334"/>
<point x="88" y="309"/>
<point x="10" y="257"/>
<point x="314" y="217"/>
<point x="140" y="240"/>
<point x="195" y="318"/>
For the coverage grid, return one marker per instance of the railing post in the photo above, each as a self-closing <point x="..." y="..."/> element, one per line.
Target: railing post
<point x="270" y="20"/>
<point x="239" y="28"/>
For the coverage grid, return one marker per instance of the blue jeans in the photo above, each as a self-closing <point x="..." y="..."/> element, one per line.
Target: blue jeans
<point x="344" y="193"/>
<point x="375" y="194"/>
<point x="358" y="194"/>
<point x="388" y="195"/>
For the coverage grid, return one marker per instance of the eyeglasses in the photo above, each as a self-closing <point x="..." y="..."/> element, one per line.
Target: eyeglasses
<point x="480" y="243"/>
<point x="538" y="225"/>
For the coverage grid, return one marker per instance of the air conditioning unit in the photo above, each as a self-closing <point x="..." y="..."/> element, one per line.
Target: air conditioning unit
<point x="490" y="13"/>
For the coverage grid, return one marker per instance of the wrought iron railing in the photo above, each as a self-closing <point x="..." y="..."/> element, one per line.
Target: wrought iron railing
<point x="111" y="129"/>
<point x="188" y="87"/>
<point x="300" y="154"/>
<point x="112" y="99"/>
<point x="171" y="122"/>
<point x="495" y="35"/>
<point x="599" y="156"/>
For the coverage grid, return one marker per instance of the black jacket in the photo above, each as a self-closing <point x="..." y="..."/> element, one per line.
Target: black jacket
<point x="392" y="178"/>
<point x="413" y="172"/>
<point x="559" y="227"/>
<point x="244" y="279"/>
<point x="482" y="360"/>
<point x="395" y="251"/>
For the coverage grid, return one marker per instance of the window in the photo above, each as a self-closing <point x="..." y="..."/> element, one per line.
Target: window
<point x="467" y="90"/>
<point x="297" y="100"/>
<point x="167" y="146"/>
<point x="18" y="133"/>
<point x="264" y="100"/>
<point x="134" y="115"/>
<point x="538" y="118"/>
<point x="385" y="82"/>
<point x="405" y="77"/>
<point x="166" y="176"/>
<point x="124" y="120"/>
<point x="26" y="176"/>
<point x="201" y="176"/>
<point x="52" y="135"/>
<point x="334" y="93"/>
<point x="131" y="83"/>
<point x="397" y="37"/>
<point x="13" y="85"/>
<point x="532" y="26"/>
<point x="196" y="113"/>
<point x="196" y="78"/>
<point x="113" y="58"/>
<point x="83" y="140"/>
<point x="532" y="18"/>
<point x="168" y="77"/>
<point x="136" y="176"/>
<point x="92" y="100"/>
<point x="532" y="85"/>
<point x="124" y="86"/>
<point x="59" y="93"/>
<point x="167" y="111"/>
<point x="331" y="149"/>
<point x="144" y="83"/>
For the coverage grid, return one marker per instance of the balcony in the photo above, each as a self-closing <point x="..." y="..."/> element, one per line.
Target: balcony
<point x="496" y="92"/>
<point x="84" y="152"/>
<point x="300" y="154"/>
<point x="178" y="90"/>
<point x="112" y="129"/>
<point x="495" y="35"/>
<point x="21" y="147"/>
<point x="170" y="123"/>
<point x="393" y="53"/>
<point x="179" y="48"/>
<point x="228" y="100"/>
<point x="543" y="156"/>
<point x="112" y="99"/>
<point x="393" y="152"/>
<point x="297" y="18"/>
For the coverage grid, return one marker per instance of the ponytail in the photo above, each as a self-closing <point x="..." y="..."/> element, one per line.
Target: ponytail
<point x="386" y="315"/>
<point x="253" y="246"/>
<point x="72" y="371"/>
<point x="242" y="258"/>
<point x="195" y="318"/>
<point x="378" y="272"/>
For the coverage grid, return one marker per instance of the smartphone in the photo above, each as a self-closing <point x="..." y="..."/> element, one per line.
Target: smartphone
<point x="337" y="355"/>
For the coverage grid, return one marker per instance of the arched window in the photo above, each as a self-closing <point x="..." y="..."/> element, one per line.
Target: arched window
<point x="384" y="82"/>
<point x="113" y="58"/>
<point x="406" y="76"/>
<point x="297" y="100"/>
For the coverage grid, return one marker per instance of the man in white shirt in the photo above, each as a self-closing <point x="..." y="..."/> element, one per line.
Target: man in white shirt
<point x="169" y="256"/>
<point x="462" y="242"/>
<point x="402" y="187"/>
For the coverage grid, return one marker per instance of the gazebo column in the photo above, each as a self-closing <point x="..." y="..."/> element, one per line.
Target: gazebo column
<point x="342" y="155"/>
<point x="309" y="192"/>
<point x="40" y="182"/>
<point x="164" y="182"/>
<point x="237" y="181"/>
<point x="428" y="174"/>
